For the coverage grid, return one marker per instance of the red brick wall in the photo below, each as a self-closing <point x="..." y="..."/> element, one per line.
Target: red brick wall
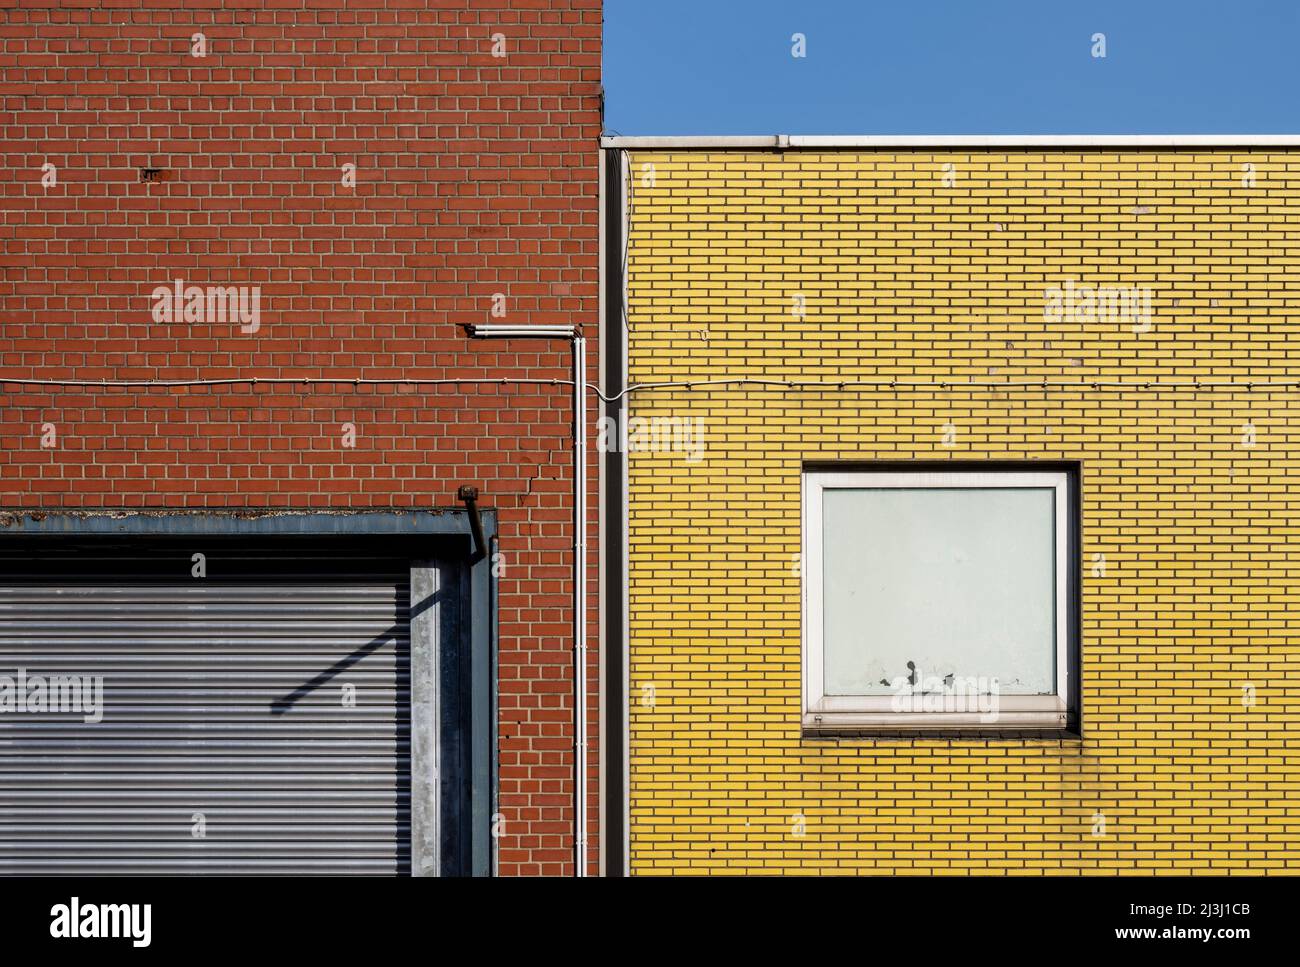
<point x="475" y="175"/>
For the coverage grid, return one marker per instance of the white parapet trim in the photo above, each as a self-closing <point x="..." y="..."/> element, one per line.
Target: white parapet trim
<point x="946" y="141"/>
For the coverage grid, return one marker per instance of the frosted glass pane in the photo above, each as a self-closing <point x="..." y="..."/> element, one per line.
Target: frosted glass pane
<point x="957" y="581"/>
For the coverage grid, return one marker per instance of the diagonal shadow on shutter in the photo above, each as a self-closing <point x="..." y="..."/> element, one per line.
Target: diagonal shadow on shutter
<point x="256" y="720"/>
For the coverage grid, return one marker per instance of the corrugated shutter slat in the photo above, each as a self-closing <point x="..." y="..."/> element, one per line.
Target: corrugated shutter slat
<point x="223" y="696"/>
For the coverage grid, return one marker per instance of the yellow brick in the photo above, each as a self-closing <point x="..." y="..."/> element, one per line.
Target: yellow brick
<point x="905" y="279"/>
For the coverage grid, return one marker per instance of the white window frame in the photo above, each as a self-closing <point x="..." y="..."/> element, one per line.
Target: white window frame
<point x="823" y="712"/>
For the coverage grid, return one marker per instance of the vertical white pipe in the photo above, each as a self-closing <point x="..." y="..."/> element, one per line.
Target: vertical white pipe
<point x="579" y="347"/>
<point x="580" y="598"/>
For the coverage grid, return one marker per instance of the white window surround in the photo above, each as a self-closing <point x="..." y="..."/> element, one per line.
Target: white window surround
<point x="822" y="712"/>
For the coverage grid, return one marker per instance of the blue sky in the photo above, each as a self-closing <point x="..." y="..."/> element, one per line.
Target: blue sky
<point x="952" y="67"/>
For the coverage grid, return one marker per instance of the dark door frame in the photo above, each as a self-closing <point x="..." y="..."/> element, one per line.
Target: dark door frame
<point x="457" y="828"/>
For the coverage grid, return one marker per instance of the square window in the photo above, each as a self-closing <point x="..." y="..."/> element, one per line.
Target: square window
<point x="939" y="598"/>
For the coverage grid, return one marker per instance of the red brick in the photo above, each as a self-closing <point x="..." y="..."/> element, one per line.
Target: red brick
<point x="475" y="175"/>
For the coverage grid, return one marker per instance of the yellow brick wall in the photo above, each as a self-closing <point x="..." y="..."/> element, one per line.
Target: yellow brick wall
<point x="908" y="278"/>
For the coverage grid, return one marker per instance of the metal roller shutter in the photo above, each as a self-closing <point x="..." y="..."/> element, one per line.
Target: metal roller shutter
<point x="227" y="710"/>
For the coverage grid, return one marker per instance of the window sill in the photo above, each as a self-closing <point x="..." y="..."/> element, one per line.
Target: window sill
<point x="815" y="723"/>
<point x="941" y="734"/>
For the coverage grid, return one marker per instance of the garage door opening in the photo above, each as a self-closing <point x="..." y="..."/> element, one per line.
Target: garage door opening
<point x="241" y="704"/>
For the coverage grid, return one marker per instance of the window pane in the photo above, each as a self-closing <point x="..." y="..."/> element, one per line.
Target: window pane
<point x="956" y="581"/>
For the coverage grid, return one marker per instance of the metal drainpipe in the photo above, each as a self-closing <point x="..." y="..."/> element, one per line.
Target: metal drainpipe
<point x="579" y="346"/>
<point x="580" y="596"/>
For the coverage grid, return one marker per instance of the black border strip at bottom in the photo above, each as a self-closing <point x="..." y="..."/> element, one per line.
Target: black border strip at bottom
<point x="974" y="917"/>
